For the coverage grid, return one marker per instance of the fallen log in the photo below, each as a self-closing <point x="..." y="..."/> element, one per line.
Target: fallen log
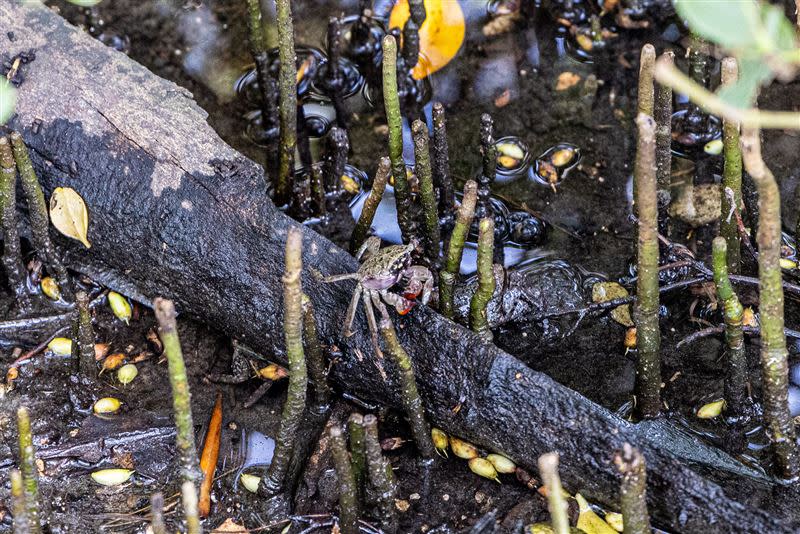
<point x="175" y="212"/>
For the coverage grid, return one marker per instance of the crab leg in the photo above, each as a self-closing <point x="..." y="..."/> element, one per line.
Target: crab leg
<point x="373" y="326"/>
<point x="418" y="274"/>
<point x="351" y="310"/>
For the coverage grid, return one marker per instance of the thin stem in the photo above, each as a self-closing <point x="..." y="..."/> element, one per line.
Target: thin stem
<point x="27" y="465"/>
<point x="412" y="403"/>
<point x="12" y="257"/>
<point x="736" y="376"/>
<point x="371" y="203"/>
<point x="358" y="458"/>
<point x="648" y="372"/>
<point x="441" y="161"/>
<point x="391" y="102"/>
<point x="731" y="176"/>
<point x="548" y="470"/>
<point x="422" y="168"/>
<point x="287" y="84"/>
<point x="751" y="118"/>
<point x="157" y="514"/>
<point x="258" y="49"/>
<point x="275" y="479"/>
<point x="647" y="61"/>
<point x="489" y="167"/>
<point x="334" y="73"/>
<point x="663" y="117"/>
<point x="348" y="496"/>
<point x="774" y="363"/>
<point x="633" y="488"/>
<point x="336" y="158"/>
<point x="18" y="506"/>
<point x="455" y="250"/>
<point x="478" y="306"/>
<point x="316" y="358"/>
<point x="181" y="396"/>
<point x="190" y="512"/>
<point x="84" y="344"/>
<point x="380" y="476"/>
<point x="37" y="212"/>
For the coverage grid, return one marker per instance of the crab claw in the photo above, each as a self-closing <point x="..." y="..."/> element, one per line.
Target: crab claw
<point x="402" y="310"/>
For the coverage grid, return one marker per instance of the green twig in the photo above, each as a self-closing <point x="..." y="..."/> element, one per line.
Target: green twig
<point x="12" y="257"/>
<point x="422" y="169"/>
<point x="30" y="473"/>
<point x="179" y="382"/>
<point x="380" y="476"/>
<point x="633" y="502"/>
<point x="648" y="372"/>
<point x="258" y="49"/>
<point x="391" y="102"/>
<point x="287" y="85"/>
<point x="84" y="340"/>
<point x="647" y="60"/>
<point x="316" y="358"/>
<point x="18" y="506"/>
<point x="37" y="212"/>
<point x="274" y="480"/>
<point x="190" y="513"/>
<point x="358" y="459"/>
<point x="731" y="176"/>
<point x="774" y="363"/>
<point x="736" y="376"/>
<point x="348" y="496"/>
<point x="412" y="403"/>
<point x="663" y="117"/>
<point x="371" y="204"/>
<point x="548" y="470"/>
<point x="455" y="250"/>
<point x="478" y="306"/>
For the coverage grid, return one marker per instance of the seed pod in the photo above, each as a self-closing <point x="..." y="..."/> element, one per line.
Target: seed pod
<point x="60" y="346"/>
<point x="440" y="441"/>
<point x="507" y="161"/>
<point x="349" y="184"/>
<point x="584" y="41"/>
<point x="114" y="361"/>
<point x="100" y="350"/>
<point x="502" y="464"/>
<point x="562" y="157"/>
<point x="120" y="306"/>
<point x="484" y="468"/>
<point x="786" y="263"/>
<point x="630" y="338"/>
<point x="127" y="373"/>
<point x="615" y="520"/>
<point x="713" y="147"/>
<point x="588" y="521"/>
<point x="711" y="410"/>
<point x="250" y="482"/>
<point x="106" y="405"/>
<point x="462" y="449"/>
<point x="273" y="372"/>
<point x="112" y="477"/>
<point x="510" y="150"/>
<point x="50" y="288"/>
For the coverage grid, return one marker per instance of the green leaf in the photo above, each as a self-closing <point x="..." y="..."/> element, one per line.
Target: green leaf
<point x="778" y="28"/>
<point x="8" y="100"/>
<point x="752" y="74"/>
<point x="730" y="23"/>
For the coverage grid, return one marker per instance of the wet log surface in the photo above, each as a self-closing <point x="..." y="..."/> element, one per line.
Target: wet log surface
<point x="175" y="212"/>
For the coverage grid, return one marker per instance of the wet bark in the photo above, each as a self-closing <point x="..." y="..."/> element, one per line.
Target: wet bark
<point x="175" y="212"/>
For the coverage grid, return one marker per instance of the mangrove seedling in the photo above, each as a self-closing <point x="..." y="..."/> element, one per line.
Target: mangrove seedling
<point x="12" y="257"/>
<point x="157" y="514"/>
<point x="648" y="371"/>
<point x="731" y="175"/>
<point x="633" y="502"/>
<point x="455" y="250"/>
<point x="258" y="49"/>
<point x="355" y="432"/>
<point x="479" y="305"/>
<point x="427" y="194"/>
<point x="348" y="494"/>
<point x="83" y="345"/>
<point x="371" y="203"/>
<point x="732" y="311"/>
<point x="190" y="512"/>
<point x="315" y="357"/>
<point x="18" y="506"/>
<point x="287" y="86"/>
<point x="774" y="364"/>
<point x="274" y="480"/>
<point x="380" y="476"/>
<point x="181" y="397"/>
<point x="548" y="469"/>
<point x="30" y="473"/>
<point x="663" y="117"/>
<point x="647" y="60"/>
<point x="441" y="162"/>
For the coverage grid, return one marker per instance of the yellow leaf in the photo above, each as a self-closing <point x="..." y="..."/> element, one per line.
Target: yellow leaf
<point x="605" y="291"/>
<point x="590" y="522"/>
<point x="69" y="215"/>
<point x="111" y="477"/>
<point x="711" y="410"/>
<point x="440" y="36"/>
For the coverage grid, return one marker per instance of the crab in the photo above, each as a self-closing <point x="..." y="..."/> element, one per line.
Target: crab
<point x="380" y="271"/>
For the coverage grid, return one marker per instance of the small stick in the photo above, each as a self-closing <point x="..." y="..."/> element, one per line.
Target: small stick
<point x="731" y="176"/>
<point x="37" y="212"/>
<point x="27" y="465"/>
<point x="336" y="158"/>
<point x="287" y="85"/>
<point x="336" y="82"/>
<point x="190" y="513"/>
<point x="455" y="251"/>
<point x="12" y="257"/>
<point x="157" y="514"/>
<point x="258" y="49"/>
<point x="318" y="191"/>
<point x="380" y="476"/>
<point x="83" y="347"/>
<point x="487" y="177"/>
<point x="774" y="364"/>
<point x="478" y="306"/>
<point x="275" y="479"/>
<point x="714" y="330"/>
<point x="208" y="458"/>
<point x="358" y="459"/>
<point x="19" y="508"/>
<point x="391" y="102"/>
<point x="633" y="488"/>
<point x="647" y="60"/>
<point x="181" y="396"/>
<point x="412" y="403"/>
<point x="648" y="372"/>
<point x="441" y="161"/>
<point x="316" y="359"/>
<point x="548" y="470"/>
<point x="371" y="204"/>
<point x="348" y="495"/>
<point x="663" y="117"/>
<point x="736" y="376"/>
<point x="427" y="195"/>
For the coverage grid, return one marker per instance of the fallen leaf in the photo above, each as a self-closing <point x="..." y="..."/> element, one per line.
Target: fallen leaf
<point x="69" y="215"/>
<point x="229" y="526"/>
<point x="605" y="291"/>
